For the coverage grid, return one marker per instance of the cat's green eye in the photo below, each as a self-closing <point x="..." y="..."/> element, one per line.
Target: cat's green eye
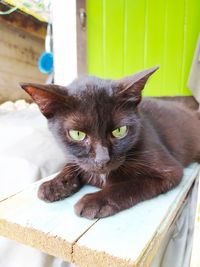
<point x="77" y="135"/>
<point x="120" y="132"/>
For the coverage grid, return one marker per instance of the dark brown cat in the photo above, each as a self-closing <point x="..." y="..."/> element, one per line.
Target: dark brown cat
<point x="132" y="149"/>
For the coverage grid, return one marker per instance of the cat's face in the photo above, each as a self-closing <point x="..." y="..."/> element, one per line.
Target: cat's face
<point x="96" y="120"/>
<point x="97" y="130"/>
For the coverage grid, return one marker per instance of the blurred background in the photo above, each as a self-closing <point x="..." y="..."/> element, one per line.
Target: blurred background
<point x="109" y="39"/>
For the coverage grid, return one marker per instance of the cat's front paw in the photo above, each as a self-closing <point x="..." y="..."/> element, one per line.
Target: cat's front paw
<point x="57" y="189"/>
<point x="93" y="206"/>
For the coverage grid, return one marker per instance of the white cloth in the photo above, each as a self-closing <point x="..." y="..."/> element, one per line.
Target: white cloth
<point x="28" y="152"/>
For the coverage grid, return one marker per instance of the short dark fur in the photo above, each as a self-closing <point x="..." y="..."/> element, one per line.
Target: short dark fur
<point x="163" y="137"/>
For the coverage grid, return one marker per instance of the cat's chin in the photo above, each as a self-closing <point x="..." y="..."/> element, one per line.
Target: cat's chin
<point x="96" y="171"/>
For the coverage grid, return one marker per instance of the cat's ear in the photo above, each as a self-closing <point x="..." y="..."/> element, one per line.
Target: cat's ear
<point x="48" y="97"/>
<point x="130" y="88"/>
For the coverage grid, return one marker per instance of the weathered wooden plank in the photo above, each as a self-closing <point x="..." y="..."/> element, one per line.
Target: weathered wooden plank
<point x="195" y="257"/>
<point x="81" y="35"/>
<point x="32" y="9"/>
<point x="9" y="86"/>
<point x="19" y="54"/>
<point x="50" y="227"/>
<point x="132" y="237"/>
<point x="23" y="22"/>
<point x="19" y="45"/>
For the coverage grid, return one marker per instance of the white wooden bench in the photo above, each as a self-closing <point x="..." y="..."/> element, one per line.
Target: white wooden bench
<point x="130" y="238"/>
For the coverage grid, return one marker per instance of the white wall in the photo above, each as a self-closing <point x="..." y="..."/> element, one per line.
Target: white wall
<point x="65" y="46"/>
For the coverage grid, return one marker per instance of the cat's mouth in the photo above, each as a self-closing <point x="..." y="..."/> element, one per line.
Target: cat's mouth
<point x="101" y="169"/>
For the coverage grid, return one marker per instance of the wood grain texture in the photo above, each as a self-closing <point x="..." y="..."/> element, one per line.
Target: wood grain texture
<point x="51" y="228"/>
<point x="24" y="22"/>
<point x="130" y="238"/>
<point x="19" y="54"/>
<point x="81" y="35"/>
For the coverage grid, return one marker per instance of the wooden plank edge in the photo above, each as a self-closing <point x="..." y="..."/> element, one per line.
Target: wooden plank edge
<point x="85" y="257"/>
<point x="148" y="255"/>
<point x="26" y="10"/>
<point x="47" y="243"/>
<point x="23" y="22"/>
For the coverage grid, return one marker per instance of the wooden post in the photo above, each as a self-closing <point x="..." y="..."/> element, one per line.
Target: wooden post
<point x="81" y="27"/>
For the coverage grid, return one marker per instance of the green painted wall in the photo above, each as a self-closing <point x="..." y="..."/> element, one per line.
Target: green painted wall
<point x="125" y="36"/>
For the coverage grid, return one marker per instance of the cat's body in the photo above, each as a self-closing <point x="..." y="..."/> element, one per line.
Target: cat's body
<point x="132" y="150"/>
<point x="176" y="126"/>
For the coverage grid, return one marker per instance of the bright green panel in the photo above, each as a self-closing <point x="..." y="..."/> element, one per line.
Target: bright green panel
<point x="95" y="37"/>
<point x="154" y="45"/>
<point x="192" y="30"/>
<point x="113" y="38"/>
<point x="134" y="36"/>
<point x="125" y="36"/>
<point x="173" y="47"/>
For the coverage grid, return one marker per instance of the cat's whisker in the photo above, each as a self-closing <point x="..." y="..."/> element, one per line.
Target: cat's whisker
<point x="138" y="169"/>
<point x="90" y="179"/>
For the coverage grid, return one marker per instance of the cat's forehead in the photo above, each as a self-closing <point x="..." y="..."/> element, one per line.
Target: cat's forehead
<point x="88" y="84"/>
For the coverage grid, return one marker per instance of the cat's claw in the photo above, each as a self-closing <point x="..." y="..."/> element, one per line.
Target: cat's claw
<point x="93" y="206"/>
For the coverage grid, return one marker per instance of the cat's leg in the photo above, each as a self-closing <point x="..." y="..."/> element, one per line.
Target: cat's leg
<point x="125" y="194"/>
<point x="63" y="185"/>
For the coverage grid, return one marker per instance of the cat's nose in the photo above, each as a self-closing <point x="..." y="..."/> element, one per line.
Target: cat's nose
<point x="102" y="156"/>
<point x="101" y="164"/>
